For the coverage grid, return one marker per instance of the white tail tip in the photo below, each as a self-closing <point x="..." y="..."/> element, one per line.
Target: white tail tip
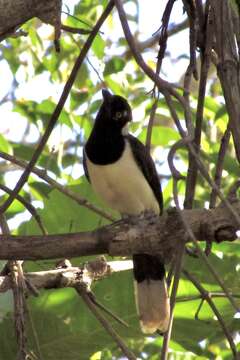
<point x="153" y="305"/>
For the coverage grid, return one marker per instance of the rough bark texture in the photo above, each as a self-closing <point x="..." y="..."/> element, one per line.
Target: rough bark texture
<point x="63" y="277"/>
<point x="14" y="13"/>
<point x="228" y="63"/>
<point x="147" y="233"/>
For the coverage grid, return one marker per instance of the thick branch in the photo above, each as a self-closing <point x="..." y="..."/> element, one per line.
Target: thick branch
<point x="228" y="65"/>
<point x="15" y="13"/>
<point x="141" y="234"/>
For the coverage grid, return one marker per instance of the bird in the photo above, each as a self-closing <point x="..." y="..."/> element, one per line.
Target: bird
<point x="123" y="174"/>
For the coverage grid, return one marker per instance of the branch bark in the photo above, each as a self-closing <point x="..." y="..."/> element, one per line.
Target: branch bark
<point x="228" y="65"/>
<point x="54" y="117"/>
<point x="69" y="276"/>
<point x="146" y="233"/>
<point x="14" y="13"/>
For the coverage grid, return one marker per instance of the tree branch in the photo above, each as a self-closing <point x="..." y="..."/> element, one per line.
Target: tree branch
<point x="69" y="276"/>
<point x="228" y="65"/>
<point x="157" y="234"/>
<point x="15" y="13"/>
<point x="58" y="109"/>
<point x="206" y="296"/>
<point x="28" y="206"/>
<point x="18" y="290"/>
<point x="107" y="326"/>
<point x="193" y="167"/>
<point x="63" y="189"/>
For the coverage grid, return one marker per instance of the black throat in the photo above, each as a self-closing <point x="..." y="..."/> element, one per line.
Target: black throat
<point x="106" y="142"/>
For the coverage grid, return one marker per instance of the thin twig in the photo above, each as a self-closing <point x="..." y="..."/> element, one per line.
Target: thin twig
<point x="204" y="172"/>
<point x="29" y="207"/>
<point x="106" y="310"/>
<point x="208" y="263"/>
<point x="107" y="326"/>
<point x="174" y="115"/>
<point x="224" y="200"/>
<point x="76" y="18"/>
<point x="211" y="182"/>
<point x="63" y="189"/>
<point x="219" y="165"/>
<point x="180" y="144"/>
<point x="206" y="296"/>
<point x="163" y="35"/>
<point x="151" y="123"/>
<point x="18" y="289"/>
<point x="95" y="70"/>
<point x="162" y="48"/>
<point x="196" y="316"/>
<point x="193" y="167"/>
<point x="58" y="109"/>
<point x="162" y="85"/>
<point x="191" y="11"/>
<point x="73" y="30"/>
<point x="212" y="294"/>
<point x="35" y="334"/>
<point x="174" y="29"/>
<point x="177" y="273"/>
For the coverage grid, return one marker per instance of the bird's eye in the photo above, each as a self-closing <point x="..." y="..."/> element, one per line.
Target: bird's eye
<point x="118" y="115"/>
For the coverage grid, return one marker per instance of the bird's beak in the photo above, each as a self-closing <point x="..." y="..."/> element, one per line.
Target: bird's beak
<point x="106" y="95"/>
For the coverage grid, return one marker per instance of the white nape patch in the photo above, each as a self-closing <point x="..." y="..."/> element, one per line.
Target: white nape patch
<point x="122" y="185"/>
<point x="125" y="130"/>
<point x="153" y="305"/>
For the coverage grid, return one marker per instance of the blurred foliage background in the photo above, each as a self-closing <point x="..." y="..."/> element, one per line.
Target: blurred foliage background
<point x="59" y="324"/>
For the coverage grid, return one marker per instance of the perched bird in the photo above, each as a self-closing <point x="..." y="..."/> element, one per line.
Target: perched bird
<point x="123" y="174"/>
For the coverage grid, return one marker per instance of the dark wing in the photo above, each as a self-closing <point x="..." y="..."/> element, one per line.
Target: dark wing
<point x="85" y="166"/>
<point x="147" y="166"/>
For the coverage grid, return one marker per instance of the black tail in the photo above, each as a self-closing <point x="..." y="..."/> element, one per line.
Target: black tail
<point x="151" y="293"/>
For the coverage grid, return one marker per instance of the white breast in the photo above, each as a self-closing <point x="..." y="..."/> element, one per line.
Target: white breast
<point x="122" y="186"/>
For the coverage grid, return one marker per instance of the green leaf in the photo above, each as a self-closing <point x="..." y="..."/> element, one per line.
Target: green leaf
<point x="40" y="189"/>
<point x="48" y="107"/>
<point x="48" y="162"/>
<point x="8" y="54"/>
<point x="82" y="77"/>
<point x="62" y="214"/>
<point x="113" y="66"/>
<point x="94" y="107"/>
<point x="161" y="136"/>
<point x="27" y="109"/>
<point x="211" y="104"/>
<point x="51" y="62"/>
<point x="98" y="46"/>
<point x="4" y="145"/>
<point x="77" y="99"/>
<point x="71" y="327"/>
<point x="222" y="111"/>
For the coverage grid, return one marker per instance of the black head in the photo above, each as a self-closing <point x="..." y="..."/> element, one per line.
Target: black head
<point x="116" y="109"/>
